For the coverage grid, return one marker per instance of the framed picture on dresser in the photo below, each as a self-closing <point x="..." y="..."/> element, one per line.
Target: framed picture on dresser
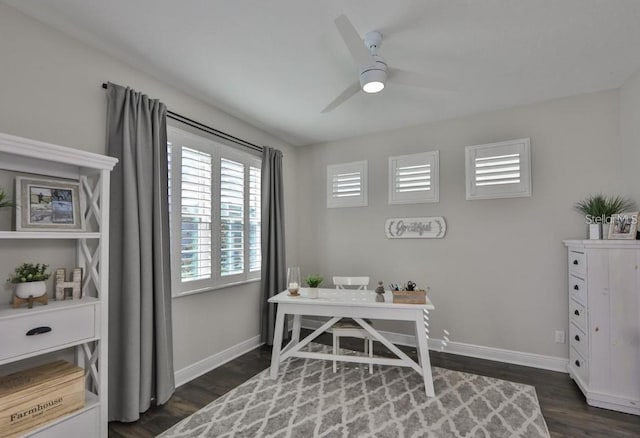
<point x="623" y="226"/>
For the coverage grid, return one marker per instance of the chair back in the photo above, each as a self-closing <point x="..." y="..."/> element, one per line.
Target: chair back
<point x="359" y="283"/>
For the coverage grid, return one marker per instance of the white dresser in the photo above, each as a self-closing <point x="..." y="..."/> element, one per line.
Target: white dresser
<point x="604" y="321"/>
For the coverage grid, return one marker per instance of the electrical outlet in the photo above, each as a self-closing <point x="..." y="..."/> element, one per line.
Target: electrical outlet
<point x="560" y="336"/>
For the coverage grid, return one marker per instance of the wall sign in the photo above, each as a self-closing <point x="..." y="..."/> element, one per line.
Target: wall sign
<point x="415" y="228"/>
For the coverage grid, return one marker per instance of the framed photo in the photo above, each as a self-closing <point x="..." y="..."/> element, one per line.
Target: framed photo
<point x="49" y="205"/>
<point x="623" y="226"/>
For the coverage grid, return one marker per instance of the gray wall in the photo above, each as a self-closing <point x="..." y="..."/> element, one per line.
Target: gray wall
<point x="498" y="278"/>
<point x="630" y="134"/>
<point x="50" y="91"/>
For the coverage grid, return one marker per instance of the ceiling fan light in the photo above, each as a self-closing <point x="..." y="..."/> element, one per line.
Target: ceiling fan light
<point x="372" y="79"/>
<point x="373" y="87"/>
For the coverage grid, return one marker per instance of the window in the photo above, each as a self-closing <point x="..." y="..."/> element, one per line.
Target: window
<point x="414" y="178"/>
<point x="214" y="206"/>
<point x="499" y="170"/>
<point x="347" y="185"/>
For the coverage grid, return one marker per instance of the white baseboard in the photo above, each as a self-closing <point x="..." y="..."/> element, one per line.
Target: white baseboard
<point x="490" y="353"/>
<point x="207" y="364"/>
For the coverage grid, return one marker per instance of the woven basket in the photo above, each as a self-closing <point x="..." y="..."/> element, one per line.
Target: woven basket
<point x="410" y="296"/>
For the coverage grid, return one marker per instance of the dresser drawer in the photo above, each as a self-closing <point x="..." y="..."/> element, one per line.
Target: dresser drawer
<point x="578" y="366"/>
<point x="578" y="263"/>
<point x="578" y="289"/>
<point x="578" y="314"/>
<point x="46" y="329"/>
<point x="578" y="340"/>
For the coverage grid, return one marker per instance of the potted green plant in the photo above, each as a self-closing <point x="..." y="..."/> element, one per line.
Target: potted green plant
<point x="598" y="209"/>
<point x="30" y="280"/>
<point x="4" y="202"/>
<point x="313" y="281"/>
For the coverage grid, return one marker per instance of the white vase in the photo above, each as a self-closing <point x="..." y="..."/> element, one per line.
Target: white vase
<point x="595" y="231"/>
<point x="313" y="293"/>
<point x="33" y="289"/>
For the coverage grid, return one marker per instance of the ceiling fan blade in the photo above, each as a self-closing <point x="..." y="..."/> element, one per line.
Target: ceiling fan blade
<point x="354" y="43"/>
<point x="342" y="97"/>
<point x="413" y="79"/>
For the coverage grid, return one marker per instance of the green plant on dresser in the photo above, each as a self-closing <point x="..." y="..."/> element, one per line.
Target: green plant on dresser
<point x="598" y="209"/>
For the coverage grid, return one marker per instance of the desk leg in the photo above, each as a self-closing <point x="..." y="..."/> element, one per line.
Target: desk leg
<point x="277" y="343"/>
<point x="295" y="333"/>
<point x="423" y="354"/>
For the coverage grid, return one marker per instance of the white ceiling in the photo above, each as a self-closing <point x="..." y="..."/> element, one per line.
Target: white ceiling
<point x="276" y="64"/>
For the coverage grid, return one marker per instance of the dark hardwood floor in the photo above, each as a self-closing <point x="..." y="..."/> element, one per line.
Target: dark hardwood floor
<point x="563" y="405"/>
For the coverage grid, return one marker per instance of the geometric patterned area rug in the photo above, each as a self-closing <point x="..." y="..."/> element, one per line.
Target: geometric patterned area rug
<point x="309" y="400"/>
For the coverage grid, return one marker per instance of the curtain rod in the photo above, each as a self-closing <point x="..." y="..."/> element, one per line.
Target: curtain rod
<point x="208" y="129"/>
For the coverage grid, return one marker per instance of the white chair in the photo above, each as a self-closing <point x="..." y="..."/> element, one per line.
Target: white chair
<point x="347" y="327"/>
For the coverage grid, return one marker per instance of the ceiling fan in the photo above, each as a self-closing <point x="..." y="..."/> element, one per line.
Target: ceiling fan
<point x="373" y="70"/>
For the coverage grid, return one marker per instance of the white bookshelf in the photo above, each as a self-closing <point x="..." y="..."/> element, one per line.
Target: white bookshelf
<point x="80" y="325"/>
<point x="44" y="235"/>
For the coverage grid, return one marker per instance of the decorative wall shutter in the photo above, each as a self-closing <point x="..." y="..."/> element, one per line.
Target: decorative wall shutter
<point x="414" y="178"/>
<point x="347" y="185"/>
<point x="499" y="170"/>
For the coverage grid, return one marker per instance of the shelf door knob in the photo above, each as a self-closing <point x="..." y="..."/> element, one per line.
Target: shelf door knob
<point x="576" y="312"/>
<point x="577" y="338"/>
<point x="575" y="287"/>
<point x="575" y="262"/>
<point x="577" y="362"/>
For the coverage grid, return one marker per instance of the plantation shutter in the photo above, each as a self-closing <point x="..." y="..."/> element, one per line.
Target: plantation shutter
<point x="347" y="185"/>
<point x="196" y="215"/>
<point x="231" y="217"/>
<point x="214" y="206"/>
<point x="498" y="170"/>
<point x="414" y="178"/>
<point x="254" y="218"/>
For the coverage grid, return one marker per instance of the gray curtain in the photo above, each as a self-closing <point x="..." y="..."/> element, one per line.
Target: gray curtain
<point x="140" y="341"/>
<point x="274" y="268"/>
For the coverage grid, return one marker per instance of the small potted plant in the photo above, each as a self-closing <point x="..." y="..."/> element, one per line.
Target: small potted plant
<point x="313" y="281"/>
<point x="598" y="210"/>
<point x="30" y="280"/>
<point x="4" y="202"/>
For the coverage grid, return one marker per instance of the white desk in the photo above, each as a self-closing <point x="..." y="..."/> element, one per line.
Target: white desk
<point x="356" y="304"/>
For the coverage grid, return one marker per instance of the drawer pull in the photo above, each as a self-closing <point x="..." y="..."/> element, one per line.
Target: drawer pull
<point x="575" y="262"/>
<point x="577" y="338"/>
<point x="576" y="287"/>
<point x="577" y="362"/>
<point x="576" y="312"/>
<point x="38" y="331"/>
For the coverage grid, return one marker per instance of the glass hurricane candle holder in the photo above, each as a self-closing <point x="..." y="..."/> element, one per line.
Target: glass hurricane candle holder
<point x="293" y="281"/>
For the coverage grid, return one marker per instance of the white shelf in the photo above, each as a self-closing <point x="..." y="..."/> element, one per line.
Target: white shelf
<point x="91" y="401"/>
<point x="79" y="326"/>
<point x="50" y="153"/>
<point x="8" y="311"/>
<point x="43" y="235"/>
